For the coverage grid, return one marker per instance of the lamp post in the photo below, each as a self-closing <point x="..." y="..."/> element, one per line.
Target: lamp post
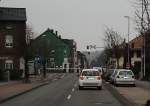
<point x="128" y="38"/>
<point x="44" y="57"/>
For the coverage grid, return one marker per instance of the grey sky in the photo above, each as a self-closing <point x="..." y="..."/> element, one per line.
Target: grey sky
<point x="82" y="20"/>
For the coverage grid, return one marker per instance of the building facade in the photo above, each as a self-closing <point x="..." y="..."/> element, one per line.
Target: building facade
<point x="12" y="38"/>
<point x="55" y="51"/>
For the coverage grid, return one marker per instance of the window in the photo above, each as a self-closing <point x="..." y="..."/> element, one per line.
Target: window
<point x="8" y="64"/>
<point x="9" y="41"/>
<point x="90" y="73"/>
<point x="52" y="51"/>
<point x="129" y="73"/>
<point x="122" y="73"/>
<point x="52" y="59"/>
<point x="138" y="53"/>
<point x="9" y="27"/>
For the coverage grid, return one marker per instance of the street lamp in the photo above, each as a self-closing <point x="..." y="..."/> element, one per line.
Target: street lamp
<point x="128" y="38"/>
<point x="44" y="57"/>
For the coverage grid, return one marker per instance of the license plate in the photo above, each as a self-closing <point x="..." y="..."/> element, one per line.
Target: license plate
<point x="90" y="78"/>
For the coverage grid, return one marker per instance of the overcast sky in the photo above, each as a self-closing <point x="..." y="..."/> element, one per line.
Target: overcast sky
<point x="81" y="20"/>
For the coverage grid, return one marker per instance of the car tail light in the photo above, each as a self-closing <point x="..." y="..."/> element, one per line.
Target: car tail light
<point x="81" y="77"/>
<point x="98" y="78"/>
<point x="118" y="77"/>
<point x="133" y="77"/>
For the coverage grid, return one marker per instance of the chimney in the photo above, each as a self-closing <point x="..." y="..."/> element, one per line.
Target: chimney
<point x="56" y="32"/>
<point x="59" y="36"/>
<point x="51" y="30"/>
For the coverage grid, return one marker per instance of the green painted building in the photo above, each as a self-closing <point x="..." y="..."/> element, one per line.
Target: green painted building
<point x="50" y="48"/>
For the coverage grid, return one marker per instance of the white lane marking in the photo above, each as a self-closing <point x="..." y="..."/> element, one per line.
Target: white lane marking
<point x="72" y="89"/>
<point x="69" y="96"/>
<point x="54" y="79"/>
<point x="63" y="76"/>
<point x="98" y="103"/>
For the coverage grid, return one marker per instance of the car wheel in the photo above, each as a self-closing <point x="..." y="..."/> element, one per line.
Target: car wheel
<point x="116" y="85"/>
<point x="99" y="87"/>
<point x="133" y="85"/>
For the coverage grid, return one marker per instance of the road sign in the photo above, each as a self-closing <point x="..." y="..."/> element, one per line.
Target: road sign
<point x="128" y="65"/>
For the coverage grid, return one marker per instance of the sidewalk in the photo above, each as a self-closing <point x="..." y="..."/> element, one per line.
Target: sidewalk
<point x="131" y="96"/>
<point x="143" y="84"/>
<point x="137" y="95"/>
<point x="12" y="89"/>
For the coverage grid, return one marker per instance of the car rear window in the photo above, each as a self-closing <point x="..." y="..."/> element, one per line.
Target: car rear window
<point x="125" y="73"/>
<point x="90" y="73"/>
<point x="129" y="73"/>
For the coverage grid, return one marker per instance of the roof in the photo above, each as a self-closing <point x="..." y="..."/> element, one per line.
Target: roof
<point x="12" y="14"/>
<point x="137" y="42"/>
<point x="50" y="33"/>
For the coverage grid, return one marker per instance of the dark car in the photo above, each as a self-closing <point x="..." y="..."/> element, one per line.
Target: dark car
<point x="108" y="74"/>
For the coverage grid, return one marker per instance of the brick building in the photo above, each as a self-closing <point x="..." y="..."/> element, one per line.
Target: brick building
<point x="12" y="38"/>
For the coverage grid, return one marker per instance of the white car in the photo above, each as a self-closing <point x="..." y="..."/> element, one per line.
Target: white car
<point x="90" y="78"/>
<point x="124" y="76"/>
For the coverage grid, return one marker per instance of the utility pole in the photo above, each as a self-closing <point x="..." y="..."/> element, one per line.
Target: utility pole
<point x="128" y="39"/>
<point x="143" y="34"/>
<point x="44" y="56"/>
<point x="26" y="80"/>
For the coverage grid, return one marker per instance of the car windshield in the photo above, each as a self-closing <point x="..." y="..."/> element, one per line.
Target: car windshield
<point x="90" y="73"/>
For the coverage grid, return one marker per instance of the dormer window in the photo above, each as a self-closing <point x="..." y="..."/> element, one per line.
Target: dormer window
<point x="8" y="41"/>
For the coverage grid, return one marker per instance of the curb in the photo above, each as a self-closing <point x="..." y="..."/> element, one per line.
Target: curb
<point x="21" y="93"/>
<point x="124" y="101"/>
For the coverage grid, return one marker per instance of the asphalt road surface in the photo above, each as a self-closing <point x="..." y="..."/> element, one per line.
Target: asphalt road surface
<point x="63" y="91"/>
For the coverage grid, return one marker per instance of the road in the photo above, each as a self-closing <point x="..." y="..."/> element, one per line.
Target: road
<point x="63" y="91"/>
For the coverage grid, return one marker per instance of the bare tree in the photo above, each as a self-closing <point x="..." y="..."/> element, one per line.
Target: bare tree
<point x="113" y="42"/>
<point x="143" y="23"/>
<point x="142" y="15"/>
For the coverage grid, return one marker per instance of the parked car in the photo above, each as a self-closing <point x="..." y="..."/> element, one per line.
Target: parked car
<point x="90" y="78"/>
<point x="108" y="74"/>
<point x="124" y="76"/>
<point x="112" y="76"/>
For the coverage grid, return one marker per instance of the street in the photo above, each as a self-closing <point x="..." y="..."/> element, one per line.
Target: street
<point x="63" y="91"/>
